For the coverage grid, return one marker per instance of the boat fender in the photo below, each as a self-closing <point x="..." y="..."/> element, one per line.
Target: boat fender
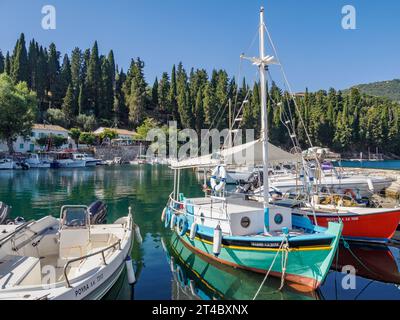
<point x="130" y="271"/>
<point x="181" y="276"/>
<point x="138" y="236"/>
<point x="218" y="173"/>
<point x="182" y="225"/>
<point x="371" y="185"/>
<point x="173" y="221"/>
<point x="193" y="230"/>
<point x="167" y="220"/>
<point x="163" y="214"/>
<point x="172" y="265"/>
<point x="217" y="241"/>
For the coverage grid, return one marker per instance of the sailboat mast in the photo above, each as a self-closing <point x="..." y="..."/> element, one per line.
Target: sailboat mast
<point x="264" y="115"/>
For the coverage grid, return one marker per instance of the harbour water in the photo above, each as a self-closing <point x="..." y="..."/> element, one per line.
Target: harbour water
<point x="384" y="165"/>
<point x="165" y="268"/>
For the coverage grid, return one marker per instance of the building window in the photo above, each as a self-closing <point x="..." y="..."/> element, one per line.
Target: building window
<point x="33" y="134"/>
<point x="32" y="147"/>
<point x="21" y="146"/>
<point x="41" y="135"/>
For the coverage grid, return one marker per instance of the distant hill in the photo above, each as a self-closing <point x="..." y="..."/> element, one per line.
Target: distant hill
<point x="388" y="89"/>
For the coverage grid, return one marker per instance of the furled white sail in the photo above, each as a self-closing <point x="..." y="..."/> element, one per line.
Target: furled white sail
<point x="249" y="154"/>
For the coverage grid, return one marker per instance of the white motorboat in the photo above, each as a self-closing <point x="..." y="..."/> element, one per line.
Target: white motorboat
<point x="363" y="186"/>
<point x="6" y="164"/>
<point x="35" y="161"/>
<point x="63" y="259"/>
<point x="67" y="160"/>
<point x="89" y="161"/>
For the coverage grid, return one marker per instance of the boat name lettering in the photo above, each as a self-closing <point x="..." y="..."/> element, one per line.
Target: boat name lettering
<point x="264" y="245"/>
<point x="89" y="286"/>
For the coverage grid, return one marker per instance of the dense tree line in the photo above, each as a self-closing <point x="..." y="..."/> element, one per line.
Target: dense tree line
<point x="86" y="89"/>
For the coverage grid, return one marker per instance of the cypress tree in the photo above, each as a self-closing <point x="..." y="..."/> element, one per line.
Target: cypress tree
<point x="53" y="77"/>
<point x="93" y="80"/>
<point x="107" y="91"/>
<point x="32" y="65"/>
<point x="68" y="105"/>
<point x="173" y="104"/>
<point x="199" y="111"/>
<point x="65" y="75"/>
<point x="7" y="64"/>
<point x="19" y="71"/>
<point x="163" y="93"/>
<point x="154" y="95"/>
<point x="2" y="62"/>
<point x="137" y="97"/>
<point x="111" y="62"/>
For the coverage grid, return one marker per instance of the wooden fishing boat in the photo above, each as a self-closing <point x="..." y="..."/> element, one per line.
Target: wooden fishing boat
<point x="253" y="236"/>
<point x="198" y="278"/>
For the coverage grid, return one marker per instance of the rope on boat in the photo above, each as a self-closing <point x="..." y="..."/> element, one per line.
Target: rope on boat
<point x="284" y="246"/>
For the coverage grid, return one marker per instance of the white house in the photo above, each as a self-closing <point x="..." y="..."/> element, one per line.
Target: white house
<point x="38" y="131"/>
<point x="122" y="133"/>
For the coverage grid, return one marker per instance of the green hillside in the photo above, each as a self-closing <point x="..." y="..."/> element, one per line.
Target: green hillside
<point x="388" y="89"/>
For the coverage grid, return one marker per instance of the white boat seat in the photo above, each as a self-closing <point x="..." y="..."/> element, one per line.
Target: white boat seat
<point x="74" y="243"/>
<point x="18" y="270"/>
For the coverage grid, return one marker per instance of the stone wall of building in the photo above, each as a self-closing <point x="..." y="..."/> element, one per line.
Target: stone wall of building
<point x="127" y="153"/>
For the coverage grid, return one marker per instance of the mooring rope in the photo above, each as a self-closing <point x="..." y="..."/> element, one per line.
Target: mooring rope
<point x="283" y="246"/>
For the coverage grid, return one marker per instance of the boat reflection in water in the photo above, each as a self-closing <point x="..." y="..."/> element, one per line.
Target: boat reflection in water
<point x="377" y="269"/>
<point x="198" y="278"/>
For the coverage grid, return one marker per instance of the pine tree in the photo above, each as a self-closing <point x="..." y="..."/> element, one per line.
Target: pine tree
<point x="19" y="71"/>
<point x="76" y="70"/>
<point x="210" y="105"/>
<point x="221" y="94"/>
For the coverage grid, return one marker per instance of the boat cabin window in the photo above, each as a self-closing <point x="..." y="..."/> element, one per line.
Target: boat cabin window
<point x="74" y="218"/>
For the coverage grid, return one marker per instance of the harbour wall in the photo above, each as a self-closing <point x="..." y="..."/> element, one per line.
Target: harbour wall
<point x="127" y="153"/>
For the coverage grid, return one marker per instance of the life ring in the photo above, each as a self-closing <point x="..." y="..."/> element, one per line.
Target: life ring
<point x="219" y="173"/>
<point x="182" y="225"/>
<point x="351" y="193"/>
<point x="167" y="219"/>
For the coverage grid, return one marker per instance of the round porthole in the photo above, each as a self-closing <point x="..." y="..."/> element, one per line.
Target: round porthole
<point x="245" y="222"/>
<point x="278" y="218"/>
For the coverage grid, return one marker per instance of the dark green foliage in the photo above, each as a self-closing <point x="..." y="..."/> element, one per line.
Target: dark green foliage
<point x="88" y="90"/>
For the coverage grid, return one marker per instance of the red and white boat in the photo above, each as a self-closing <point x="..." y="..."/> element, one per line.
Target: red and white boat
<point x="362" y="224"/>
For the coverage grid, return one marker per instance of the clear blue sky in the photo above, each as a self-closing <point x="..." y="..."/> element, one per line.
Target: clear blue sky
<point x="312" y="45"/>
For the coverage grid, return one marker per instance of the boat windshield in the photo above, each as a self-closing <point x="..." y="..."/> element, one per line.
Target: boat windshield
<point x="74" y="217"/>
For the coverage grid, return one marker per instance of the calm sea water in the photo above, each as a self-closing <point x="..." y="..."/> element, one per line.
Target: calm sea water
<point x="165" y="269"/>
<point x="386" y="165"/>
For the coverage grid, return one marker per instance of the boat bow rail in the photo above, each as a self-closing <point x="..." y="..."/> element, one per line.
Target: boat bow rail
<point x="102" y="252"/>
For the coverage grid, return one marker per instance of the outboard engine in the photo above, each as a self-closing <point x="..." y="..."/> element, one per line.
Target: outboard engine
<point x="98" y="212"/>
<point x="4" y="212"/>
